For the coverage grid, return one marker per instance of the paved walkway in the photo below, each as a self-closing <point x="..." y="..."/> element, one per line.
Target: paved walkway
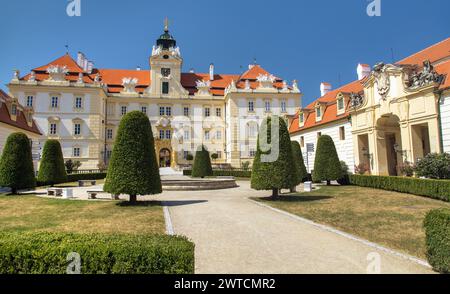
<point x="235" y="235"/>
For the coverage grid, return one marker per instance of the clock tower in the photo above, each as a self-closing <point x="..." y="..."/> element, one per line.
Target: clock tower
<point x="165" y="67"/>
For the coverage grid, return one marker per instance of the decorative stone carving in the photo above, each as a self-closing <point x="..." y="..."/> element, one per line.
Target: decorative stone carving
<point x="163" y="122"/>
<point x="356" y="100"/>
<point x="97" y="78"/>
<point x="32" y="76"/>
<point x="175" y="51"/>
<point x="156" y="50"/>
<point x="129" y="85"/>
<point x="424" y="78"/>
<point x="57" y="73"/>
<point x="285" y="86"/>
<point x="247" y="85"/>
<point x="203" y="87"/>
<point x="265" y="81"/>
<point x="382" y="78"/>
<point x="295" y="86"/>
<point x="16" y="75"/>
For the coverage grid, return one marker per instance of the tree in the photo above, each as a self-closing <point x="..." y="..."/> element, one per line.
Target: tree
<point x="72" y="165"/>
<point x="52" y="169"/>
<point x="300" y="168"/>
<point x="202" y="164"/>
<point x="327" y="166"/>
<point x="16" y="164"/>
<point x="214" y="156"/>
<point x="133" y="169"/>
<point x="434" y="166"/>
<point x="272" y="167"/>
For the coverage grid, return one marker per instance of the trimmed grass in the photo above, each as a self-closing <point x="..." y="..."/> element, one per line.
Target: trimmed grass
<point x="389" y="218"/>
<point x="30" y="213"/>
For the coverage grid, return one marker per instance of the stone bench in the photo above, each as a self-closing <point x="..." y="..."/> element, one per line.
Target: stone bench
<point x="93" y="194"/>
<point x="60" y="192"/>
<point x="82" y="183"/>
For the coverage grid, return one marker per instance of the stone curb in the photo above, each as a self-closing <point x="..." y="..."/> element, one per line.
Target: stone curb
<point x="168" y="220"/>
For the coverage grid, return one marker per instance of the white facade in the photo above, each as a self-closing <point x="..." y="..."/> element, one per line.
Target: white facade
<point x="339" y="131"/>
<point x="445" y="121"/>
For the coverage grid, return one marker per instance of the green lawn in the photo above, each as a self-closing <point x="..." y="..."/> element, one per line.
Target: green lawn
<point x="31" y="213"/>
<point x="389" y="218"/>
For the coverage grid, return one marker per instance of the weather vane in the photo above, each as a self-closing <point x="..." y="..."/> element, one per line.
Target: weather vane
<point x="166" y="24"/>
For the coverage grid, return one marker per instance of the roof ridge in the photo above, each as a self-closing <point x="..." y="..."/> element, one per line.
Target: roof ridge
<point x="423" y="50"/>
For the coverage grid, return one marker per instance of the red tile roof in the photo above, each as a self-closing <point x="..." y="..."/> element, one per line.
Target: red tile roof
<point x="21" y="121"/>
<point x="113" y="77"/>
<point x="438" y="53"/>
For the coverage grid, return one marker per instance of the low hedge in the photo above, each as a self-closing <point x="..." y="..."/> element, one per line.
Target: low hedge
<point x="437" y="189"/>
<point x="46" y="253"/>
<point x="225" y="173"/>
<point x="78" y="177"/>
<point x="437" y="230"/>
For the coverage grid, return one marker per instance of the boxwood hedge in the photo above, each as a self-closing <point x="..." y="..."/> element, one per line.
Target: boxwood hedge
<point x="437" y="189"/>
<point x="46" y="253"/>
<point x="437" y="230"/>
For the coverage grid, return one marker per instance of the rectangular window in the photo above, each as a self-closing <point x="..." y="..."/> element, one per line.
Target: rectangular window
<point x="267" y="106"/>
<point x="162" y="111"/>
<point x="30" y="101"/>
<point x="342" y="133"/>
<point x="144" y="109"/>
<point x="54" y="102"/>
<point x="302" y="141"/>
<point x="186" y="135"/>
<point x="168" y="134"/>
<point x="161" y="134"/>
<point x="207" y="112"/>
<point x="219" y="154"/>
<point x="252" y="152"/>
<point x="78" y="102"/>
<point x="77" y="129"/>
<point x="76" y="152"/>
<point x="165" y="87"/>
<point x="219" y="112"/>
<point x="318" y="112"/>
<point x="123" y="110"/>
<point x="14" y="109"/>
<point x="341" y="104"/>
<point x="185" y="154"/>
<point x="207" y="135"/>
<point x="251" y="106"/>
<point x="301" y="118"/>
<point x="186" y="111"/>
<point x="219" y="135"/>
<point x="53" y="129"/>
<point x="169" y="111"/>
<point x="109" y="134"/>
<point x="108" y="154"/>
<point x="283" y="106"/>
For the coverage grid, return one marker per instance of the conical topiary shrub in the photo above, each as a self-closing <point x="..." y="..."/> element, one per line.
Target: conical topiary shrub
<point x="133" y="169"/>
<point x="52" y="169"/>
<point x="327" y="166"/>
<point x="202" y="164"/>
<point x="300" y="168"/>
<point x="273" y="170"/>
<point x="16" y="164"/>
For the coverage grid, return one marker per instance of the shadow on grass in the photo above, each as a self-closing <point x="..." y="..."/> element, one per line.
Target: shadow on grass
<point x="296" y="198"/>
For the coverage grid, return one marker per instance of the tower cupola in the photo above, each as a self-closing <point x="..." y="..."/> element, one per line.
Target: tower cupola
<point x="166" y="40"/>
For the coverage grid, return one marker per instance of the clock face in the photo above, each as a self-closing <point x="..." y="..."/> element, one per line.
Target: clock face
<point x="165" y="72"/>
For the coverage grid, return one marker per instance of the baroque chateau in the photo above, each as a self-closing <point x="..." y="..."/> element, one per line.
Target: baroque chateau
<point x="81" y="106"/>
<point x="391" y="115"/>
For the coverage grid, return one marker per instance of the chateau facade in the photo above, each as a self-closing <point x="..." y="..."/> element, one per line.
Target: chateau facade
<point x="392" y="115"/>
<point x="81" y="106"/>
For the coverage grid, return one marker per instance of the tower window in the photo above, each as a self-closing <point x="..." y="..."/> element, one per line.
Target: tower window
<point x="207" y="112"/>
<point x="78" y="102"/>
<point x="30" y="101"/>
<point x="165" y="87"/>
<point x="186" y="111"/>
<point x="165" y="72"/>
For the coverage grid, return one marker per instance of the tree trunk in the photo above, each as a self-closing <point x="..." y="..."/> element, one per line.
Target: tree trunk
<point x="293" y="189"/>
<point x="328" y="182"/>
<point x="133" y="199"/>
<point x="13" y="191"/>
<point x="274" y="193"/>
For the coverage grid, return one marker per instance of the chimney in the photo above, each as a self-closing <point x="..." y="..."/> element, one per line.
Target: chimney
<point x="90" y="67"/>
<point x="325" y="88"/>
<point x="191" y="70"/>
<point x="250" y="66"/>
<point x="80" y="59"/>
<point x="211" y="72"/>
<point x="363" y="71"/>
<point x="85" y="65"/>
<point x="138" y="68"/>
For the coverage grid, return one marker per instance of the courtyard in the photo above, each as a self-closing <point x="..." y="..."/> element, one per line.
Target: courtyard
<point x="235" y="230"/>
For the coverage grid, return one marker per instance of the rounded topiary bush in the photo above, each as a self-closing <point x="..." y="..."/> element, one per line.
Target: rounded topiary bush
<point x="327" y="166"/>
<point x="300" y="168"/>
<point x="202" y="164"/>
<point x="434" y="166"/>
<point x="16" y="164"/>
<point x="273" y="169"/>
<point x="133" y="169"/>
<point x="52" y="169"/>
<point x="437" y="231"/>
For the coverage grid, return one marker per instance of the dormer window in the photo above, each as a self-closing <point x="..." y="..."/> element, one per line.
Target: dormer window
<point x="340" y="103"/>
<point x="13" y="109"/>
<point x="319" y="112"/>
<point x="301" y="119"/>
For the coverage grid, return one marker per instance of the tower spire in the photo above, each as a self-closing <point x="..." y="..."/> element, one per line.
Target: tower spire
<point x="166" y="24"/>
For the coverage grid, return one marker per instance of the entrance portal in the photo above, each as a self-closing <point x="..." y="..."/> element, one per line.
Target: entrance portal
<point x="389" y="145"/>
<point x="164" y="158"/>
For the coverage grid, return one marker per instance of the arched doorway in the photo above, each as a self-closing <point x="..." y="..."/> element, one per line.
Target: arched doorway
<point x="390" y="154"/>
<point x="165" y="158"/>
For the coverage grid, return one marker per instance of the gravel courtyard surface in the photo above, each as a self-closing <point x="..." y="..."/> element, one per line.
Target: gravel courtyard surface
<point x="232" y="234"/>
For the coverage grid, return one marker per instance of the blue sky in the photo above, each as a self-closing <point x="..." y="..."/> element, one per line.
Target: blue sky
<point x="311" y="41"/>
